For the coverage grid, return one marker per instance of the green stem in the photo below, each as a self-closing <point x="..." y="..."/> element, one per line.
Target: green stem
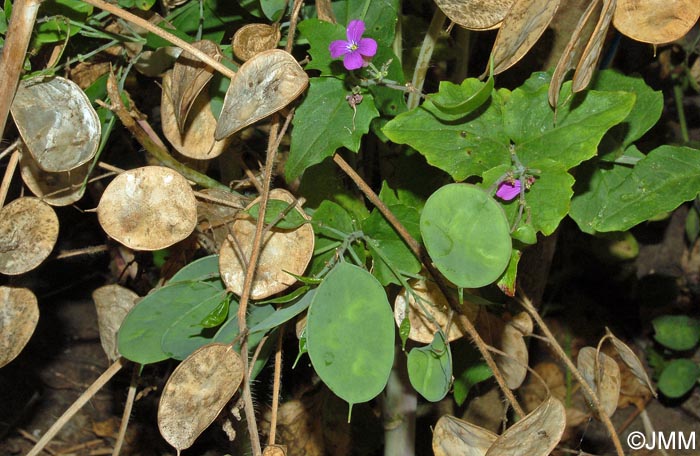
<point x="365" y="9"/>
<point x="426" y="53"/>
<point x="678" y="97"/>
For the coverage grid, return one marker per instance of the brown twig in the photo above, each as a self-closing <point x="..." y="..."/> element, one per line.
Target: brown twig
<point x="276" y="388"/>
<point x="7" y="178"/>
<point x="422" y="256"/>
<point x="76" y="406"/>
<point x="131" y="395"/>
<point x="588" y="391"/>
<point x="127" y="16"/>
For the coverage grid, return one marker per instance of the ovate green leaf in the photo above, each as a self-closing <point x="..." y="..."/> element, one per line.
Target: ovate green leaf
<point x="350" y="334"/>
<point x="324" y="122"/>
<point x="678" y="377"/>
<point x="430" y="368"/>
<point x="677" y="332"/>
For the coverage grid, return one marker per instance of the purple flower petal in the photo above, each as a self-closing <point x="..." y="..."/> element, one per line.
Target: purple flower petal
<point x="353" y="60"/>
<point x="355" y="30"/>
<point x="338" y="48"/>
<point x="367" y="47"/>
<point x="508" y="190"/>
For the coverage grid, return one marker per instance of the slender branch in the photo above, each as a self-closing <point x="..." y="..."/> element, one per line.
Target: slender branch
<point x="7" y="178"/>
<point x="426" y="52"/>
<point x="18" y="35"/>
<point x="276" y="387"/>
<point x="127" y="16"/>
<point x="131" y="395"/>
<point x="588" y="391"/>
<point x="419" y="253"/>
<point x="76" y="406"/>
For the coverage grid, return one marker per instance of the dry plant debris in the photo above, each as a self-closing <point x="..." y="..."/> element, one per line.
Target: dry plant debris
<point x="252" y="39"/>
<point x="112" y="302"/>
<point x="19" y="314"/>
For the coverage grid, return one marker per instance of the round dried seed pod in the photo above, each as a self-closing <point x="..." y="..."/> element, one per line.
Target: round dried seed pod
<point x="19" y="314"/>
<point x="57" y="123"/>
<point x="148" y="208"/>
<point x="422" y="327"/>
<point x="252" y="39"/>
<point x="28" y="233"/>
<point x="283" y="251"/>
<point x="57" y="189"/>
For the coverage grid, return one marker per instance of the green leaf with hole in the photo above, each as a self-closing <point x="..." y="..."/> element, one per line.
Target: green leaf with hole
<point x="325" y="122"/>
<point x="275" y="208"/>
<point x="677" y="332"/>
<point x="140" y="335"/>
<point x="679" y="377"/>
<point x="350" y="334"/>
<point x="611" y="197"/>
<point x="430" y="368"/>
<point x="466" y="234"/>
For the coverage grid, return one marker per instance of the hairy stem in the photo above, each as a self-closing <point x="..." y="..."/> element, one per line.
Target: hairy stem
<point x="426" y="52"/>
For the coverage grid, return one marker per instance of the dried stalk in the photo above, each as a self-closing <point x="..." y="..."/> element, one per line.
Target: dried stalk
<point x="76" y="406"/>
<point x="588" y="391"/>
<point x="423" y="257"/>
<point x="18" y="35"/>
<point x="7" y="178"/>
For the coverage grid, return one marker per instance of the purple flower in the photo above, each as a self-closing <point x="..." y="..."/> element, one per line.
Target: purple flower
<point x="508" y="189"/>
<point x="357" y="50"/>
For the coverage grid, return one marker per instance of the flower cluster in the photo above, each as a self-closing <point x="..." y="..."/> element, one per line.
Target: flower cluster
<point x="356" y="51"/>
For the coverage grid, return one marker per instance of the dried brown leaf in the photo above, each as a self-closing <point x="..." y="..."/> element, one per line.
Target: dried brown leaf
<point x="434" y="301"/>
<point x="189" y="76"/>
<point x="656" y="21"/>
<point x="19" y="314"/>
<point x="283" y="251"/>
<point x="197" y="139"/>
<point x="28" y="233"/>
<point x="573" y="50"/>
<point x="253" y="39"/>
<point x="454" y="436"/>
<point x="148" y="208"/>
<point x="521" y="28"/>
<point x="263" y="85"/>
<point x="112" y="302"/>
<point x="57" y="122"/>
<point x="514" y="366"/>
<point x="196" y="392"/>
<point x="535" y="435"/>
<point x="632" y="361"/>
<point x="591" y="54"/>
<point x="603" y="376"/>
<point x="215" y="218"/>
<point x="475" y="14"/>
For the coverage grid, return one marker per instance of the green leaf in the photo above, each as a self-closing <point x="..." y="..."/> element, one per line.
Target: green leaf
<point x="284" y="299"/>
<point x="456" y="101"/>
<point x="678" y="377"/>
<point x="469" y="369"/>
<point x="380" y="17"/>
<point x="291" y="220"/>
<point x="617" y="197"/>
<point x="390" y="244"/>
<point x="507" y="281"/>
<point x="644" y="114"/>
<point x="139" y="338"/>
<point x="332" y="215"/>
<point x="187" y="333"/>
<point x="324" y="122"/>
<point x="284" y="313"/>
<point x="350" y="334"/>
<point x="580" y="124"/>
<point x="466" y="234"/>
<point x="198" y="270"/>
<point x="389" y="101"/>
<point x="57" y="28"/>
<point x="228" y="332"/>
<point x="320" y="35"/>
<point x="677" y="332"/>
<point x="273" y="9"/>
<point x="430" y="368"/>
<point x="460" y="149"/>
<point x="218" y="315"/>
<point x="144" y="5"/>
